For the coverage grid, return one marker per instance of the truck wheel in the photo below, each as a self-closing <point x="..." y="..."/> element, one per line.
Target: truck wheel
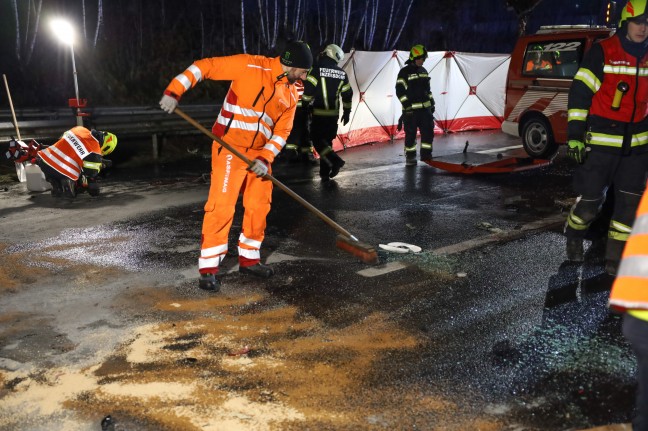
<point x="537" y="139"/>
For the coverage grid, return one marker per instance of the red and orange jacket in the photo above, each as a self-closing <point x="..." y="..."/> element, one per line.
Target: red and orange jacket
<point x="259" y="108"/>
<point x="630" y="289"/>
<point x="590" y="115"/>
<point x="75" y="153"/>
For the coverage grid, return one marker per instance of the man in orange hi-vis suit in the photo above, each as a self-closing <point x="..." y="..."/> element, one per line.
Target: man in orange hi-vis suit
<point x="630" y="294"/>
<point x="256" y="118"/>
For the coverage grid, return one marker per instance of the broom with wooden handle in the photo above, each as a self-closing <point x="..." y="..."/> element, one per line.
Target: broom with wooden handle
<point x="344" y="241"/>
<point x="13" y="113"/>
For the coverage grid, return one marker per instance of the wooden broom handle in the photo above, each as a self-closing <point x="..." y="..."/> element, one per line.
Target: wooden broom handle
<point x="275" y="181"/>
<point x="13" y="114"/>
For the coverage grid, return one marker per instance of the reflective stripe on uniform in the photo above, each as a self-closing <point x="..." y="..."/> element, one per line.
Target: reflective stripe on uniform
<point x="249" y="254"/>
<point x="275" y="144"/>
<point x="607" y="140"/>
<point x="576" y="222"/>
<point x="249" y="242"/>
<point x="588" y="78"/>
<point x="212" y="257"/>
<point x="92" y="165"/>
<point x="61" y="161"/>
<point x="577" y="114"/>
<point x="251" y="113"/>
<point x="624" y="70"/>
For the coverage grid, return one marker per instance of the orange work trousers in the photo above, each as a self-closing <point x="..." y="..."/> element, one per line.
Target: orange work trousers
<point x="229" y="177"/>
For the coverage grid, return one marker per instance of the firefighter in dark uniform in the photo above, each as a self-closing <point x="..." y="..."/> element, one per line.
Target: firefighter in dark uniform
<point x="324" y="87"/>
<point x="413" y="91"/>
<point x="608" y="133"/>
<point x="298" y="145"/>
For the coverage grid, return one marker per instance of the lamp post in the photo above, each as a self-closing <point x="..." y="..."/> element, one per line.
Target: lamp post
<point x="64" y="32"/>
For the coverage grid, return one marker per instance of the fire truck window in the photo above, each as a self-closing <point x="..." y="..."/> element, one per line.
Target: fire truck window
<point x="553" y="59"/>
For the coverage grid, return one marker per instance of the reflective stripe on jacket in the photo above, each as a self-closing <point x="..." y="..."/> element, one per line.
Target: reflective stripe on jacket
<point x="258" y="110"/>
<point x="591" y="117"/>
<point x="630" y="289"/>
<point x="77" y="151"/>
<point x="413" y="88"/>
<point x="326" y="83"/>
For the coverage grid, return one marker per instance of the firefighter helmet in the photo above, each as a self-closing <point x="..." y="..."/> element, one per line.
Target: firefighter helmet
<point x="334" y="52"/>
<point x="632" y="9"/>
<point x="418" y="51"/>
<point x="109" y="143"/>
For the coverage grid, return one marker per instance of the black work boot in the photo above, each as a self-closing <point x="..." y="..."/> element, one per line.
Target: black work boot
<point x="612" y="267"/>
<point x="575" y="249"/>
<point x="57" y="190"/>
<point x="338" y="163"/>
<point x="325" y="169"/>
<point x="410" y="158"/>
<point x="209" y="282"/>
<point x="260" y="270"/>
<point x="69" y="188"/>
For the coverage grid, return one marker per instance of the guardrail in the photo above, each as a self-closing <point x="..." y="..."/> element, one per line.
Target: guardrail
<point x="131" y="121"/>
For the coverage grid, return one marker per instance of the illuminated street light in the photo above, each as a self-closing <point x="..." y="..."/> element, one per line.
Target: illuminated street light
<point x="65" y="33"/>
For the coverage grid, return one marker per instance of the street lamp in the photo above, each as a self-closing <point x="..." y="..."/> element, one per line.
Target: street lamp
<point x="64" y="32"/>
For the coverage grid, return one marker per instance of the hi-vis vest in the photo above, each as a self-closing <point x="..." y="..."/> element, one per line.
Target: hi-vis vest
<point x="619" y="66"/>
<point x="258" y="110"/>
<point x="630" y="289"/>
<point x="76" y="152"/>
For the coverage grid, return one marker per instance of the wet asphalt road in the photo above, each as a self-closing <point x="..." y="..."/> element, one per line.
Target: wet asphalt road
<point x="506" y="328"/>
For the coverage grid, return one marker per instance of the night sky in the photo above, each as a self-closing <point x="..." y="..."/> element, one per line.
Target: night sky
<point x="140" y="48"/>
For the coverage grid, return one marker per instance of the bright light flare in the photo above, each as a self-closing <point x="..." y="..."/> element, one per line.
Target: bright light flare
<point x="63" y="30"/>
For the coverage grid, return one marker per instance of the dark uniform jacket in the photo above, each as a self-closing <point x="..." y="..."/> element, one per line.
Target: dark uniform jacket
<point x="324" y="86"/>
<point x="413" y="88"/>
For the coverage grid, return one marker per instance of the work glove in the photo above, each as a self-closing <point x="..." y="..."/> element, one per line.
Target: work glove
<point x="345" y="116"/>
<point x="399" y="127"/>
<point x="168" y="103"/>
<point x="259" y="167"/>
<point x="576" y="151"/>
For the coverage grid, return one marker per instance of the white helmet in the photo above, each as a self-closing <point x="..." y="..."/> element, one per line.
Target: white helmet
<point x="335" y="52"/>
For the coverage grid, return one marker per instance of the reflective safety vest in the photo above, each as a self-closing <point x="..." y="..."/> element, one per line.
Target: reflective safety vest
<point x="76" y="152"/>
<point x="259" y="108"/>
<point x="607" y="126"/>
<point x="630" y="289"/>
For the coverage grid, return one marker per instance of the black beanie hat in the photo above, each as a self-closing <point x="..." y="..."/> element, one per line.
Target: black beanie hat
<point x="297" y="54"/>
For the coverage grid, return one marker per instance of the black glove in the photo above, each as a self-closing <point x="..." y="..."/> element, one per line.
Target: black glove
<point x="105" y="163"/>
<point x="345" y="116"/>
<point x="399" y="127"/>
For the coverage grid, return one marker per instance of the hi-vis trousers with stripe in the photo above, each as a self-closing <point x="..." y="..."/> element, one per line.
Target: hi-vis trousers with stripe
<point x="230" y="177"/>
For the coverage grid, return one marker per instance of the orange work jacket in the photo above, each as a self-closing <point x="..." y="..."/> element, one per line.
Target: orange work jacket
<point x="76" y="152"/>
<point x="259" y="108"/>
<point x="630" y="289"/>
<point x="543" y="65"/>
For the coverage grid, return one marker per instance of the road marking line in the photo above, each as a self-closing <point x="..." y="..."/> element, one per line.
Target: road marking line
<point x="500" y="237"/>
<point x="383" y="269"/>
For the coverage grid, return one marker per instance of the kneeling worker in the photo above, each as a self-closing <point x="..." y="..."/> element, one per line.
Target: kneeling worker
<point x="74" y="161"/>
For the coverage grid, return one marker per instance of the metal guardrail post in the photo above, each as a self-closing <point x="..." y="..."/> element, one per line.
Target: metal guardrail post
<point x="155" y="147"/>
